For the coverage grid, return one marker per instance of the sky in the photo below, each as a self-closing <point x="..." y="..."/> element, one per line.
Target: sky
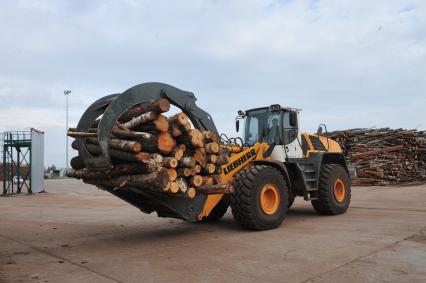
<point x="348" y="64"/>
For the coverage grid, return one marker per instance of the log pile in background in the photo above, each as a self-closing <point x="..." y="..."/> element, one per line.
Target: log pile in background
<point x="150" y="151"/>
<point x="384" y="156"/>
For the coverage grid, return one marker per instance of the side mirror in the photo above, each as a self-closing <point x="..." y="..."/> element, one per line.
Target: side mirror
<point x="237" y="125"/>
<point x="293" y="119"/>
<point x="319" y="131"/>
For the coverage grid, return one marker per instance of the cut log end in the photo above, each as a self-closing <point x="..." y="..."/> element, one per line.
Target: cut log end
<point x="166" y="143"/>
<point x="191" y="193"/>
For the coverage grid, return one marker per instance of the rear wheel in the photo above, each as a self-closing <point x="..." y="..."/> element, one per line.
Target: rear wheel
<point x="334" y="190"/>
<point x="260" y="198"/>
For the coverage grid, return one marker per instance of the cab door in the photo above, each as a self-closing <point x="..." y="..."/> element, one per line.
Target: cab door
<point x="290" y="147"/>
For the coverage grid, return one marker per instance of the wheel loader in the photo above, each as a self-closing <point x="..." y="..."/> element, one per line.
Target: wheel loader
<point x="274" y="162"/>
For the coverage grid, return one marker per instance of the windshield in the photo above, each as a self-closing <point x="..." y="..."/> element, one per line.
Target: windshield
<point x="262" y="126"/>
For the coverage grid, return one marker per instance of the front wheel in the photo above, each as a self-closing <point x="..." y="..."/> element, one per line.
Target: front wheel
<point x="260" y="199"/>
<point x="334" y="190"/>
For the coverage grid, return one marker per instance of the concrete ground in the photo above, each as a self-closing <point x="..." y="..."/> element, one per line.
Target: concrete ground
<point x="76" y="233"/>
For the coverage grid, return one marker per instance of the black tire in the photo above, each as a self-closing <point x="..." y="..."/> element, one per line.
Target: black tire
<point x="218" y="211"/>
<point x="327" y="203"/>
<point x="245" y="200"/>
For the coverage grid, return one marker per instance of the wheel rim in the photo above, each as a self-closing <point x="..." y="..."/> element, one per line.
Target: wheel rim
<point x="269" y="199"/>
<point x="339" y="190"/>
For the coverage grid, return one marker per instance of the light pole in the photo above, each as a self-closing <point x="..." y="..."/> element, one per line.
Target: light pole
<point x="66" y="93"/>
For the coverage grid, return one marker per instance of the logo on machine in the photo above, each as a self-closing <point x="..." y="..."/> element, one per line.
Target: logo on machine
<point x="234" y="165"/>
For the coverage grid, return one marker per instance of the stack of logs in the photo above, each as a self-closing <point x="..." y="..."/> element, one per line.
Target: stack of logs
<point x="150" y="151"/>
<point x="384" y="156"/>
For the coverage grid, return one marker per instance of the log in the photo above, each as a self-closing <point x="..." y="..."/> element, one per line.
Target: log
<point x="163" y="142"/>
<point x="191" y="193"/>
<point x="81" y="134"/>
<point x="172" y="174"/>
<point x="192" y="138"/>
<point x="170" y="162"/>
<point x="122" y="155"/>
<point x="187" y="127"/>
<point x="117" y="170"/>
<point x="200" y="156"/>
<point x="184" y="172"/>
<point x="175" y="130"/>
<point x="210" y="168"/>
<point x="222" y="159"/>
<point x="142" y="119"/>
<point x="77" y="163"/>
<point x="187" y="162"/>
<point x="158" y="106"/>
<point x="155" y="181"/>
<point x="179" y="119"/>
<point x="215" y="190"/>
<point x="375" y="152"/>
<point x="177" y="154"/>
<point x="196" y="181"/>
<point x="210" y="136"/>
<point x="210" y="180"/>
<point x="125" y="145"/>
<point x="212" y="158"/>
<point x="183" y="185"/>
<point x="146" y="157"/>
<point x="212" y="148"/>
<point x="174" y="187"/>
<point x="161" y="124"/>
<point x="197" y="169"/>
<point x="76" y="174"/>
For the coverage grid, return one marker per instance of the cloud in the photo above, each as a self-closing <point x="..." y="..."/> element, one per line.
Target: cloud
<point x="346" y="63"/>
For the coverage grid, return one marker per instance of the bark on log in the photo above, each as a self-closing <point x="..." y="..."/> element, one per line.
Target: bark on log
<point x="156" y="180"/>
<point x="142" y="119"/>
<point x="81" y="134"/>
<point x="125" y="145"/>
<point x="161" y="124"/>
<point x="192" y="138"/>
<point x="183" y="185"/>
<point x="187" y="162"/>
<point x="163" y="142"/>
<point x="77" y="163"/>
<point x="215" y="190"/>
<point x="159" y="106"/>
<point x="210" y="180"/>
<point x="121" y="169"/>
<point x="170" y="162"/>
